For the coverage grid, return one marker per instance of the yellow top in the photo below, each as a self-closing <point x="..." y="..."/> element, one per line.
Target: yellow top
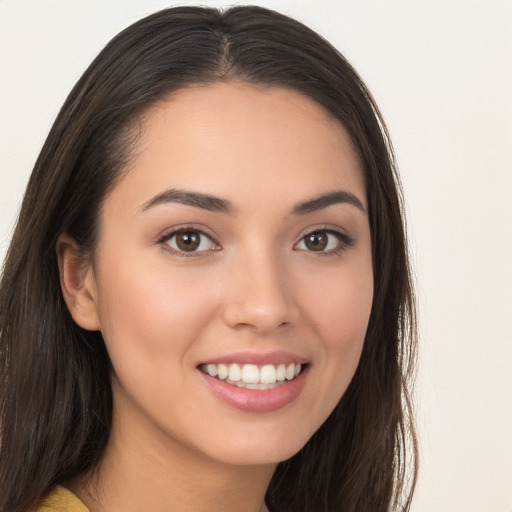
<point x="61" y="500"/>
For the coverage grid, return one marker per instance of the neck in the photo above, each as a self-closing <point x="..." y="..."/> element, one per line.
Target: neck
<point x="141" y="473"/>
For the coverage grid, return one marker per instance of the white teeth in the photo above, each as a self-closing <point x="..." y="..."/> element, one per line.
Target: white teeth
<point x="281" y="372"/>
<point x="235" y="372"/>
<point x="222" y="371"/>
<point x="260" y="386"/>
<point x="251" y="376"/>
<point x="268" y="374"/>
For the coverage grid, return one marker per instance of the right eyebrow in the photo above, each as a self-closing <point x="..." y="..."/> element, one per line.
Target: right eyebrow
<point x="326" y="200"/>
<point x="196" y="199"/>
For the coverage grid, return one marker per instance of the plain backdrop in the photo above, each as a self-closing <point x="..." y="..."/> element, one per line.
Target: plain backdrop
<point x="441" y="72"/>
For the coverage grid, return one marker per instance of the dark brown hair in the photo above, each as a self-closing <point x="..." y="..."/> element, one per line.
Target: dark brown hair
<point x="56" y="401"/>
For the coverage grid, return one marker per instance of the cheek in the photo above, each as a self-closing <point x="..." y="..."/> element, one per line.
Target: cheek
<point x="340" y="312"/>
<point x="340" y="309"/>
<point x="148" y="311"/>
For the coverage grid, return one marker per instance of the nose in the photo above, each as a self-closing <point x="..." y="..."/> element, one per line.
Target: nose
<point x="260" y="295"/>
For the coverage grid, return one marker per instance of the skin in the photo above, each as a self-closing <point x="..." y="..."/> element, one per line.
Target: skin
<point x="257" y="287"/>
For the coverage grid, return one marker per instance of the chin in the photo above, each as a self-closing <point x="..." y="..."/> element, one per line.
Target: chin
<point x="265" y="448"/>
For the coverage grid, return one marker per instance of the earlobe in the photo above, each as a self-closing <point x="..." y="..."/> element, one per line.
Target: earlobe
<point x="78" y="284"/>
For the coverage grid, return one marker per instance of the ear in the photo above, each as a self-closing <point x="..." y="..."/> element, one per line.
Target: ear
<point x="78" y="284"/>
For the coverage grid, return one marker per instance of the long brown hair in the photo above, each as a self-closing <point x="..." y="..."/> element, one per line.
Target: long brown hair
<point x="56" y="400"/>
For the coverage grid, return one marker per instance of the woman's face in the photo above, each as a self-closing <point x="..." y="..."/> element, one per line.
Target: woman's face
<point x="236" y="242"/>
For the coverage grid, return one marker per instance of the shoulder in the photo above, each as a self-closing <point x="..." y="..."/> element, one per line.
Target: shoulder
<point x="60" y="500"/>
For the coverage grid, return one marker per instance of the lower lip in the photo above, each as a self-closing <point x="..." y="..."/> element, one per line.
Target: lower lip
<point x="256" y="400"/>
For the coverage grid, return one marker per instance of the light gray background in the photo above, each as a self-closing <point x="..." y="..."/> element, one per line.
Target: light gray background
<point x="441" y="72"/>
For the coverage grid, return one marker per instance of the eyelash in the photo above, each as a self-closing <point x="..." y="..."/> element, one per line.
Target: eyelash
<point x="164" y="241"/>
<point x="344" y="242"/>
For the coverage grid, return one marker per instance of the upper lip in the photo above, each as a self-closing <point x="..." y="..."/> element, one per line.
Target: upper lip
<point x="258" y="358"/>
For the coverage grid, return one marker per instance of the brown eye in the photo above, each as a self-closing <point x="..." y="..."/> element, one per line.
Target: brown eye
<point x="325" y="240"/>
<point x="189" y="241"/>
<point x="316" y="241"/>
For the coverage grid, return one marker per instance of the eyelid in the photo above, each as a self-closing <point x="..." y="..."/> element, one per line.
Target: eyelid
<point x="174" y="231"/>
<point x="345" y="240"/>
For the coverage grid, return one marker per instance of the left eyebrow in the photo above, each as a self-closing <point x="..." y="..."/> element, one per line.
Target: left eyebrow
<point x="325" y="200"/>
<point x="196" y="199"/>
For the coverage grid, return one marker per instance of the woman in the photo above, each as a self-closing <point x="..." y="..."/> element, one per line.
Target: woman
<point x="206" y="304"/>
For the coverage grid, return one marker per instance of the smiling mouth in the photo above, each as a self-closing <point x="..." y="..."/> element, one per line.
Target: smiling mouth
<point x="251" y="376"/>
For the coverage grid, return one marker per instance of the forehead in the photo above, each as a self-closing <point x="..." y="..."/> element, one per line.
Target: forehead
<point x="230" y="138"/>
